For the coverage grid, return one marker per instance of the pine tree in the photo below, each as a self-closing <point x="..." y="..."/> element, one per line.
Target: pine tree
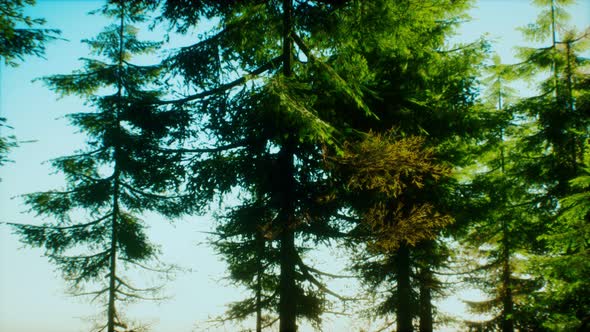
<point x="97" y="233"/>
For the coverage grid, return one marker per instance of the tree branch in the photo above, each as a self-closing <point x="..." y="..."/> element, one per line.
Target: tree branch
<point x="317" y="283"/>
<point x="205" y="150"/>
<point x="224" y="87"/>
<point x="96" y="221"/>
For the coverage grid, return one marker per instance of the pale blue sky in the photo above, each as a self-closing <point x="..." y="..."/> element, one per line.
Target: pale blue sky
<point x="32" y="297"/>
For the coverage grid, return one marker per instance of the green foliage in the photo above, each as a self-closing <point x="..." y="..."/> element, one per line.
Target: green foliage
<point x="565" y="268"/>
<point x="559" y="126"/>
<point x="329" y="122"/>
<point x="20" y="34"/>
<point x="503" y="228"/>
<point x="531" y="158"/>
<point x="397" y="181"/>
<point x="553" y="15"/>
<point x="245" y="242"/>
<point x="7" y="143"/>
<point x="19" y="37"/>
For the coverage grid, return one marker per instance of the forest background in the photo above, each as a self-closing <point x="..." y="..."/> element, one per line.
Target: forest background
<point x="32" y="297"/>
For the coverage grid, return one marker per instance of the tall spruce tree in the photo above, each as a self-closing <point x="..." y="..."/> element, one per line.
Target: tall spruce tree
<point x="273" y="134"/>
<point x="258" y="82"/>
<point x="553" y="151"/>
<point x="253" y="260"/>
<point x="97" y="233"/>
<point x="501" y="230"/>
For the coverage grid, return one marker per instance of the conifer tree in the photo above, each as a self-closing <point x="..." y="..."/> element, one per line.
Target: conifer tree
<point x="552" y="153"/>
<point x="419" y="89"/>
<point x="559" y="124"/>
<point x="97" y="232"/>
<point x="253" y="261"/>
<point x="566" y="268"/>
<point x="276" y="123"/>
<point x="270" y="134"/>
<point x="501" y="229"/>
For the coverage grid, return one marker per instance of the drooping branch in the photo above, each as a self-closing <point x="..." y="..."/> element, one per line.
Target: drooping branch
<point x="58" y="228"/>
<point x="307" y="273"/>
<point x="274" y="63"/>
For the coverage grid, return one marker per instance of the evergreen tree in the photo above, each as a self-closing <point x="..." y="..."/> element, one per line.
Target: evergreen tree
<point x="271" y="133"/>
<point x="280" y="123"/>
<point x="253" y="261"/>
<point x="566" y="267"/>
<point x="553" y="151"/>
<point x="501" y="229"/>
<point x="419" y="88"/>
<point x="98" y="233"/>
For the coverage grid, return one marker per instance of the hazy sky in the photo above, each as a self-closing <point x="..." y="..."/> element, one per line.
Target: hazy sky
<point x="32" y="294"/>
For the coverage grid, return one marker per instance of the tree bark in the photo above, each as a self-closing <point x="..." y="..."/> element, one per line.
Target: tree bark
<point x="260" y="242"/>
<point x="287" y="302"/>
<point x="287" y="287"/>
<point x="111" y="309"/>
<point x="404" y="310"/>
<point x="426" y="320"/>
<point x="507" y="300"/>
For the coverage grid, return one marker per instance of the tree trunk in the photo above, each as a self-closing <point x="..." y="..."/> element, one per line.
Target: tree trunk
<point x="507" y="301"/>
<point x="554" y="46"/>
<point x="404" y="312"/>
<point x="287" y="286"/>
<point x="426" y="321"/>
<point x="260" y="242"/>
<point x="111" y="311"/>
<point x="287" y="302"/>
<point x="570" y="107"/>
